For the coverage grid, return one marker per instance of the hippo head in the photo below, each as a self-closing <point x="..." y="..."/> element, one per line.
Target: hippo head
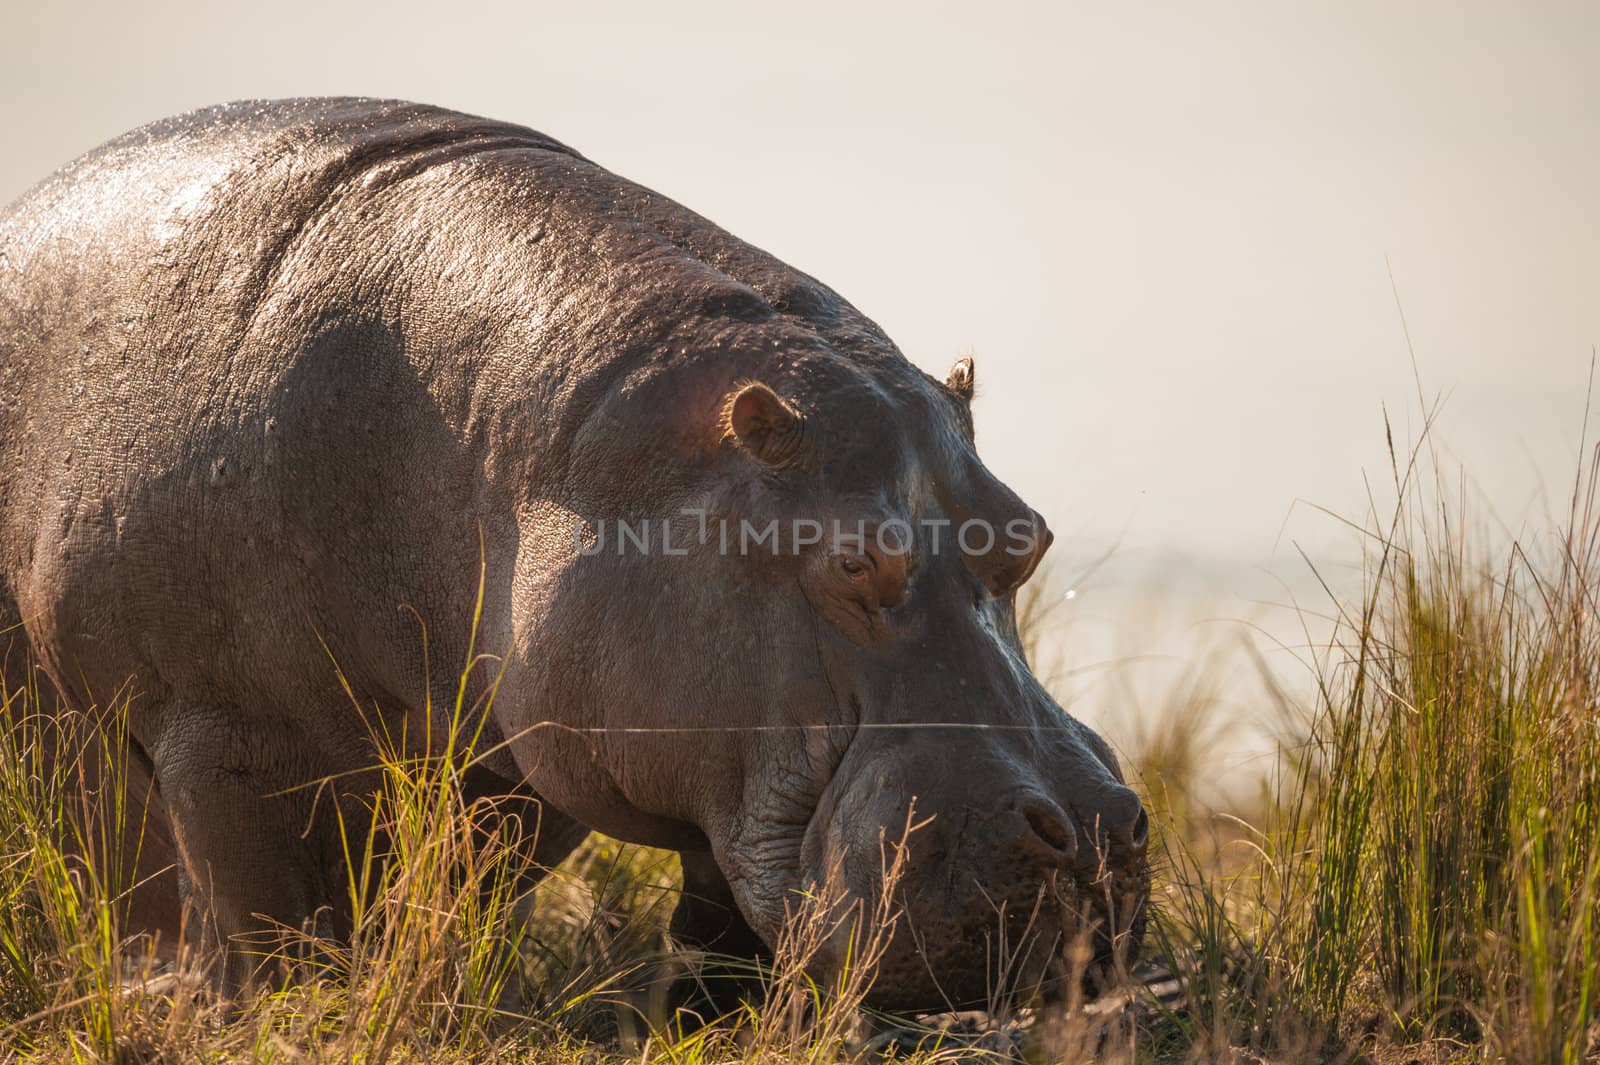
<point x="814" y="636"/>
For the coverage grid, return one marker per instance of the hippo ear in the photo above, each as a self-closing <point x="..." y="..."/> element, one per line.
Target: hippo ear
<point x="762" y="423"/>
<point x="963" y="379"/>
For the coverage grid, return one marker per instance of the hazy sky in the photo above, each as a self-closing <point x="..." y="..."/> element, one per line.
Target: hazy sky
<point x="1161" y="229"/>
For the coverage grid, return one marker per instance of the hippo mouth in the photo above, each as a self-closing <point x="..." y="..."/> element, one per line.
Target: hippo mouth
<point x="1112" y="920"/>
<point x="975" y="923"/>
<point x="1077" y="941"/>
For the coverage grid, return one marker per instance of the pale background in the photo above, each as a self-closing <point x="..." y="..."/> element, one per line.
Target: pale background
<point x="1166" y="232"/>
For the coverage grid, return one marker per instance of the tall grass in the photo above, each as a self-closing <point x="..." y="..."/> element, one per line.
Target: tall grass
<point x="1457" y="777"/>
<point x="1429" y="869"/>
<point x="65" y="878"/>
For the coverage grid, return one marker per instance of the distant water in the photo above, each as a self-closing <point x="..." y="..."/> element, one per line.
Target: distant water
<point x="1149" y="635"/>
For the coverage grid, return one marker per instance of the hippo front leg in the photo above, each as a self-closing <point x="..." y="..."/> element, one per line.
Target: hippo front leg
<point x="547" y="836"/>
<point x="258" y="839"/>
<point x="708" y="919"/>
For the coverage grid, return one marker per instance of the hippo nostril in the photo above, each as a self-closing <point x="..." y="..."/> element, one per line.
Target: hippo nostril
<point x="1051" y="826"/>
<point x="1124" y="821"/>
<point x="1141" y="830"/>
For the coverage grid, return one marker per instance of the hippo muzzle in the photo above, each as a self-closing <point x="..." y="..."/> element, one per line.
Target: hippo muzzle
<point x="1025" y="865"/>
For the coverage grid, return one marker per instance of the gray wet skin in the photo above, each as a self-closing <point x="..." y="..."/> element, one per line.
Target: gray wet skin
<point x="268" y="371"/>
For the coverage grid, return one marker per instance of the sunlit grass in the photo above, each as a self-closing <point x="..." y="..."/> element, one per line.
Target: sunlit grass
<point x="1428" y="870"/>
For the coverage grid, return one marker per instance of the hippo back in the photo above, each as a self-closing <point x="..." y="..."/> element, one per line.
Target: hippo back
<point x="270" y="356"/>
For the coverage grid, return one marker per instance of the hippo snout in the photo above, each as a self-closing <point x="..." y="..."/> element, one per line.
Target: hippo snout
<point x="1023" y="873"/>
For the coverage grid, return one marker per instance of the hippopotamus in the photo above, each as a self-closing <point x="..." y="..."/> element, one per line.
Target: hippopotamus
<point x="288" y="387"/>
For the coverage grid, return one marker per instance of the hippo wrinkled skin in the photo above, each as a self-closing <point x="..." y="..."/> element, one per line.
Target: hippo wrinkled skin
<point x="276" y="377"/>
